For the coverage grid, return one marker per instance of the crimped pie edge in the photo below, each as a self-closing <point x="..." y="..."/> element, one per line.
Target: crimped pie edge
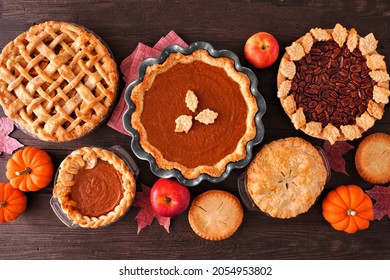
<point x="152" y="71"/>
<point x="330" y="133"/>
<point x="63" y="185"/>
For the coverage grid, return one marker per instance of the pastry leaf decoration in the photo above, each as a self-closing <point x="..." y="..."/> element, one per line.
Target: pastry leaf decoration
<point x="7" y="143"/>
<point x="334" y="153"/>
<point x="206" y="116"/>
<point x="381" y="195"/>
<point x="146" y="215"/>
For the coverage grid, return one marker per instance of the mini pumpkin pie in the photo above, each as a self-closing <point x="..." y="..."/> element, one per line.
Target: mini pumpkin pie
<point x="286" y="177"/>
<point x="215" y="215"/>
<point x="57" y="81"/>
<point x="372" y="158"/>
<point x="194" y="113"/>
<point x="94" y="187"/>
<point x="333" y="84"/>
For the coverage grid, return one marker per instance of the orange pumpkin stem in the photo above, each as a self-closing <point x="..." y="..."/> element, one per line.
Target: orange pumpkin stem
<point x="351" y="212"/>
<point x="27" y="170"/>
<point x="3" y="204"/>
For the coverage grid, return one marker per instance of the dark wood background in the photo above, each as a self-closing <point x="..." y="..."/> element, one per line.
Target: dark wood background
<point x="39" y="234"/>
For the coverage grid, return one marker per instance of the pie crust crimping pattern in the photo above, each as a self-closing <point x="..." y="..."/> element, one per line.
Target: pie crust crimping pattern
<point x="87" y="157"/>
<point x="57" y="81"/>
<point x="138" y="97"/>
<point x="328" y="104"/>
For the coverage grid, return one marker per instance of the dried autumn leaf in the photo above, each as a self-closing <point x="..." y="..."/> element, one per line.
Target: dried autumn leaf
<point x="7" y="143"/>
<point x="334" y="153"/>
<point x="146" y="215"/>
<point x="381" y="207"/>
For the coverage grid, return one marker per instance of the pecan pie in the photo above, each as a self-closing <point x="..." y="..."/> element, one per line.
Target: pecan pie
<point x="94" y="187"/>
<point x="57" y="81"/>
<point x="333" y="84"/>
<point x="194" y="113"/>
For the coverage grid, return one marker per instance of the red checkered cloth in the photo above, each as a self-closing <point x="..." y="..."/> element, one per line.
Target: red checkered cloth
<point x="129" y="69"/>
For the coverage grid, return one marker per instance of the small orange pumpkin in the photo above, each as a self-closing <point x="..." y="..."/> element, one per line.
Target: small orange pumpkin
<point x="348" y="208"/>
<point x="13" y="202"/>
<point x="30" y="169"/>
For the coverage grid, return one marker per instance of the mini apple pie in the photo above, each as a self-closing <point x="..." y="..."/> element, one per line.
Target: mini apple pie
<point x="94" y="187"/>
<point x="333" y="84"/>
<point x="215" y="215"/>
<point x="57" y="81"/>
<point x="286" y="177"/>
<point x="372" y="158"/>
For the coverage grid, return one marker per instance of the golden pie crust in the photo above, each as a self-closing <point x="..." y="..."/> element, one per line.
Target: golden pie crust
<point x="372" y="158"/>
<point x="138" y="95"/>
<point x="57" y="81"/>
<point x="299" y="49"/>
<point x="86" y="158"/>
<point x="286" y="177"/>
<point x="215" y="215"/>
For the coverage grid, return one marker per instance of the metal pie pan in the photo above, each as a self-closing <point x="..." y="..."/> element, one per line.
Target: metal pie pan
<point x="174" y="173"/>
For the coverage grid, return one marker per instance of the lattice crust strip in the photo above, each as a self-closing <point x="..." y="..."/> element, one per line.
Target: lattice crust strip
<point x="57" y="81"/>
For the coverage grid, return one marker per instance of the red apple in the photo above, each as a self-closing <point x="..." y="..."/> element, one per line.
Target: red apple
<point x="261" y="50"/>
<point x="169" y="198"/>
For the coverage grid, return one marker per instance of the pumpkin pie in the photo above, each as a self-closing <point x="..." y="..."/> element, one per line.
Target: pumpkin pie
<point x="333" y="84"/>
<point x="57" y="81"/>
<point x="286" y="177"/>
<point x="94" y="187"/>
<point x="194" y="113"/>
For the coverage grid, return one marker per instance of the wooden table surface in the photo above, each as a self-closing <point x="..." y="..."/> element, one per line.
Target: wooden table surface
<point x="39" y="234"/>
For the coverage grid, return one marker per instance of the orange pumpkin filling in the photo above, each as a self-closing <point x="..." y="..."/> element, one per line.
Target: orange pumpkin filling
<point x="203" y="144"/>
<point x="98" y="190"/>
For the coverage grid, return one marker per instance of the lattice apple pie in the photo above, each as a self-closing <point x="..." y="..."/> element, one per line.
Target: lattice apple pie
<point x="57" y="81"/>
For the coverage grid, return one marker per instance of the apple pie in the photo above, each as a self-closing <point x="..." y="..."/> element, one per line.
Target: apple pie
<point x="57" y="81"/>
<point x="215" y="215"/>
<point x="286" y="177"/>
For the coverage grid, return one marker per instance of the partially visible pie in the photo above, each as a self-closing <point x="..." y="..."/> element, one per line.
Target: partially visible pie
<point x="286" y="177"/>
<point x="194" y="113"/>
<point x="57" y="81"/>
<point x="333" y="84"/>
<point x="94" y="187"/>
<point x="372" y="158"/>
